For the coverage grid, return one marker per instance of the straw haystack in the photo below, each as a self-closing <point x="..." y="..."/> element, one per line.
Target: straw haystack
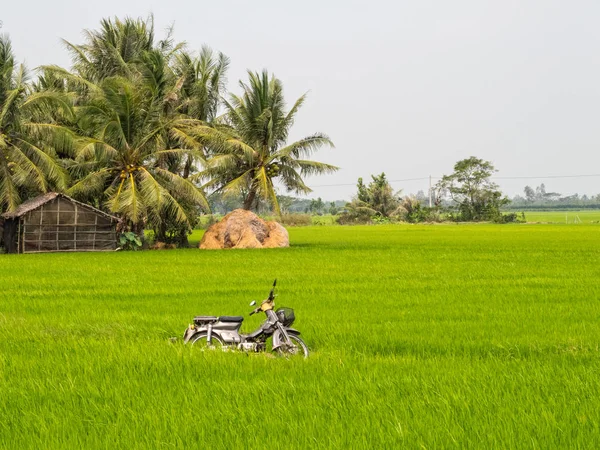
<point x="244" y="229"/>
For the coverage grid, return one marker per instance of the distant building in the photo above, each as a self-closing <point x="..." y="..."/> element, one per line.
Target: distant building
<point x="56" y="223"/>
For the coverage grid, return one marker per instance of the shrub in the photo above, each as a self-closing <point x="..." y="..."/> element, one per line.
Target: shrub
<point x="130" y="241"/>
<point x="433" y="215"/>
<point x="380" y="220"/>
<point x="353" y="218"/>
<point x="510" y="218"/>
<point x="295" y="220"/>
<point x="324" y="220"/>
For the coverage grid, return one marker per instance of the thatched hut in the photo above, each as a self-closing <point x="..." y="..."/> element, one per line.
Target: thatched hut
<point x="56" y="223"/>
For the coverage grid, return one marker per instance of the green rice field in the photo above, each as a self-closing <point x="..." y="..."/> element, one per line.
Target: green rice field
<point x="566" y="217"/>
<point x="422" y="336"/>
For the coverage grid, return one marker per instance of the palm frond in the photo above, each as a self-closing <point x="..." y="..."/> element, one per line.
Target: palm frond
<point x="184" y="188"/>
<point x="237" y="185"/>
<point x="313" y="167"/>
<point x="26" y="170"/>
<point x="127" y="200"/>
<point x="304" y="147"/>
<point x="57" y="137"/>
<point x="74" y="79"/>
<point x="267" y="190"/>
<point x="160" y="199"/>
<point x="91" y="185"/>
<point x="50" y="166"/>
<point x="48" y="103"/>
<point x="9" y="193"/>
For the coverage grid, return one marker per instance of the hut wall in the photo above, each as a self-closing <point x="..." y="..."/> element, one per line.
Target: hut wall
<point x="61" y="225"/>
<point x="9" y="235"/>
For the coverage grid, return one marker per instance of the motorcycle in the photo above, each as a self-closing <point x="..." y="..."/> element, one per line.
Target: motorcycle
<point x="212" y="332"/>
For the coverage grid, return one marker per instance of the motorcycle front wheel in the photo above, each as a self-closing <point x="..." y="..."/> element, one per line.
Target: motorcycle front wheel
<point x="298" y="347"/>
<point x="200" y="340"/>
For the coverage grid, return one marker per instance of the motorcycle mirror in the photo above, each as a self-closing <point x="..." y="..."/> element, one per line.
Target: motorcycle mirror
<point x="253" y="302"/>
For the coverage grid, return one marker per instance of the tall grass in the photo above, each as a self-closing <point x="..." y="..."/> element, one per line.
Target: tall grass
<point x="422" y="336"/>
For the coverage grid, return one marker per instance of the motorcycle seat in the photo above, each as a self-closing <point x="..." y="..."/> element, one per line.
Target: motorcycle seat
<point x="231" y="319"/>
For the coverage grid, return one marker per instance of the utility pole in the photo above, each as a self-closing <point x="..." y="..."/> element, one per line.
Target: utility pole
<point x="430" y="205"/>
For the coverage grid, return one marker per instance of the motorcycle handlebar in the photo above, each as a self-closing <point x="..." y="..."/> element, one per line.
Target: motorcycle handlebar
<point x="270" y="299"/>
<point x="272" y="293"/>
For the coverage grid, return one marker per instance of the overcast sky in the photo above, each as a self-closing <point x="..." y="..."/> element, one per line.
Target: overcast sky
<point x="405" y="87"/>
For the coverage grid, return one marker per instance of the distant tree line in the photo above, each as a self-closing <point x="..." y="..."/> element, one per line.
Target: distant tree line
<point x="540" y="198"/>
<point x="468" y="194"/>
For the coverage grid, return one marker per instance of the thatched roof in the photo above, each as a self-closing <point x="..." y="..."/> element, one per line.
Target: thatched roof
<point x="36" y="202"/>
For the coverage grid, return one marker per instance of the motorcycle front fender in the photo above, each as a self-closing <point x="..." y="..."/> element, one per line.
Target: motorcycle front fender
<point x="279" y="337"/>
<point x="292" y="331"/>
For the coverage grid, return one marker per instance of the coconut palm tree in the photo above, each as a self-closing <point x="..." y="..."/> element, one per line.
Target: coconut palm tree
<point x="28" y="165"/>
<point x="202" y="81"/>
<point x="121" y="157"/>
<point x="132" y="137"/>
<point x="117" y="48"/>
<point x="250" y="146"/>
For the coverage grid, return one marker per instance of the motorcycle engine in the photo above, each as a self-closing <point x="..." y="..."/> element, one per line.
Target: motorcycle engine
<point x="249" y="346"/>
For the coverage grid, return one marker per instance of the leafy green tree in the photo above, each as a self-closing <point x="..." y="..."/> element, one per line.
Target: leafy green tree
<point x="413" y="211"/>
<point x="357" y="211"/>
<point x="381" y="197"/>
<point x="250" y="147"/>
<point x="333" y="209"/>
<point x="316" y="206"/>
<point x="363" y="192"/>
<point x="377" y="200"/>
<point x="471" y="189"/>
<point x="285" y="203"/>
<point x="28" y="165"/>
<point x="529" y="194"/>
<point x="540" y="193"/>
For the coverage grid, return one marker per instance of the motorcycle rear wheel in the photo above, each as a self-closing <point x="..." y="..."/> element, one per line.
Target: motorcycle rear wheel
<point x="200" y="340"/>
<point x="299" y="347"/>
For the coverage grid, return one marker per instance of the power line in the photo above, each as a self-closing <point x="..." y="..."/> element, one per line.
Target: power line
<point x="548" y="176"/>
<point x="496" y="178"/>
<point x="390" y="181"/>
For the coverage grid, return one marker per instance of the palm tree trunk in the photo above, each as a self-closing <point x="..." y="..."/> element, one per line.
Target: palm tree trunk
<point x="183" y="235"/>
<point x="249" y="200"/>
<point x="187" y="168"/>
<point x="160" y="234"/>
<point x="182" y="241"/>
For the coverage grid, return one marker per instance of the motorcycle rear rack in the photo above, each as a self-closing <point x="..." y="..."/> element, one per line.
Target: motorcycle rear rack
<point x="205" y="319"/>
